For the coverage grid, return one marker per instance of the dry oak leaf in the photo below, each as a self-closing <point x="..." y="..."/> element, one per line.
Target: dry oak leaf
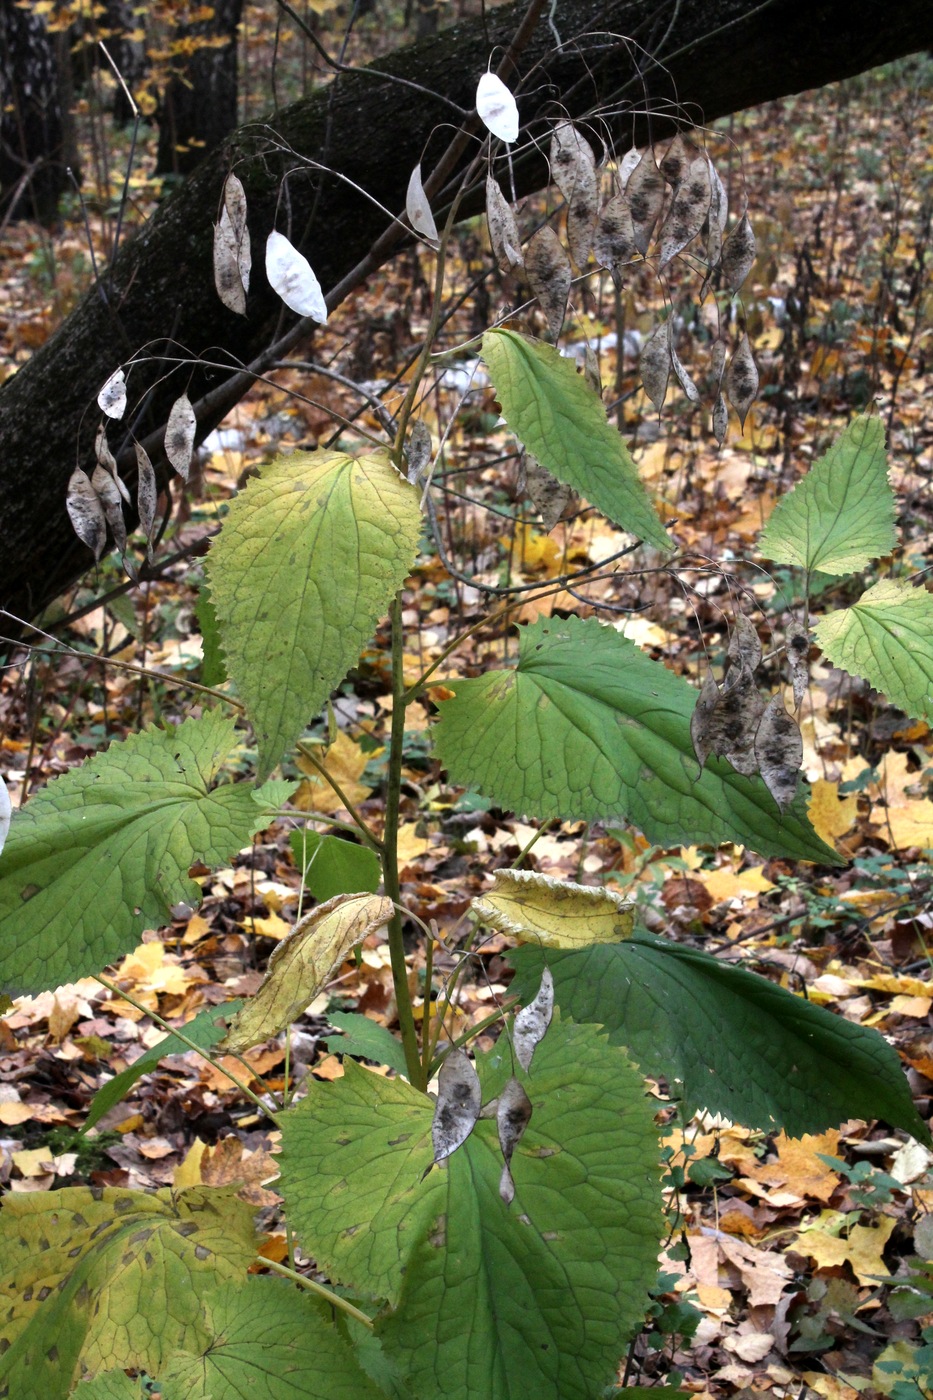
<point x="303" y="962"/>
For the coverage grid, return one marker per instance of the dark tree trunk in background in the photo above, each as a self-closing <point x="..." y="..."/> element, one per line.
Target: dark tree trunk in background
<point x="32" y="161"/>
<point x="199" y="106"/>
<point x="714" y="58"/>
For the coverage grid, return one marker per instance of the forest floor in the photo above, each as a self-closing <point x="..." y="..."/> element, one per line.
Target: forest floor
<point x="796" y="1250"/>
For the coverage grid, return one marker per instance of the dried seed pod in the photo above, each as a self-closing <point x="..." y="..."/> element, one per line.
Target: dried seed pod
<point x="683" y="377"/>
<point x="548" y="270"/>
<point x="779" y="752"/>
<point x="503" y="230"/>
<point x="738" y="254"/>
<point x="645" y="194"/>
<point x="735" y="723"/>
<point x="112" y="397"/>
<point x="677" y="157"/>
<point x="146" y="496"/>
<point x="718" y="214"/>
<point x="654" y="362"/>
<point x="530" y="1025"/>
<point x="573" y="170"/>
<point x="418" y="209"/>
<point x="720" y="419"/>
<point x="744" y="645"/>
<point x="614" y="236"/>
<point x="86" y="512"/>
<point x="513" y="1114"/>
<point x="688" y="210"/>
<point x="112" y="502"/>
<point x="549" y="496"/>
<point x="458" y="1104"/>
<point x="797" y="647"/>
<point x="701" y="719"/>
<point x="420" y="448"/>
<point x="717" y="361"/>
<point x="179" y="435"/>
<point x="742" y="380"/>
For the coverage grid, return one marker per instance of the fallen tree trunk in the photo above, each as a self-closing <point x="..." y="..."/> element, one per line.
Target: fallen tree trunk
<point x="697" y="62"/>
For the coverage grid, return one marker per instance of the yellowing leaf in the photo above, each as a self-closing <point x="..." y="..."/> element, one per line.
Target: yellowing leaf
<point x="303" y="962"/>
<point x="537" y="553"/>
<point x="411" y="846"/>
<point x="726" y="884"/>
<point x="799" y="1166"/>
<point x="830" y="814"/>
<point x="911" y="825"/>
<point x="862" y="1249"/>
<point x="553" y="913"/>
<point x="345" y="762"/>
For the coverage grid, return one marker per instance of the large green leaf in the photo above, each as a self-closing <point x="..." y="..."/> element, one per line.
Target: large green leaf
<point x="562" y="422"/>
<point x="887" y="637"/>
<point x="99" y="1280"/>
<point x="269" y="1342"/>
<point x="104" y="851"/>
<point x="365" y="1039"/>
<point x="353" y="1154"/>
<point x="540" y="1298"/>
<point x="205" y="1029"/>
<point x="726" y="1039"/>
<point x="308" y="560"/>
<point x="332" y="865"/>
<point x="841" y="514"/>
<point x="589" y="727"/>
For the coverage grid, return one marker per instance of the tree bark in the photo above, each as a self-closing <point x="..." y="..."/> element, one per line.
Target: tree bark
<point x="32" y="162"/>
<point x="710" y="59"/>
<point x="199" y="106"/>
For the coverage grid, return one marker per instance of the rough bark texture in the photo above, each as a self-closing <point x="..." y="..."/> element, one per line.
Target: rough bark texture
<point x="712" y="59"/>
<point x="32" y="163"/>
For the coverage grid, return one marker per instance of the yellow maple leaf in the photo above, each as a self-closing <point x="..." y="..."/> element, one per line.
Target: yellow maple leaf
<point x="410" y="845"/>
<point x="861" y="1249"/>
<point x="830" y="815"/>
<point x="344" y="761"/>
<point x="537" y="553"/>
<point x="798" y="1166"/>
<point x="726" y="884"/>
<point x="911" y="824"/>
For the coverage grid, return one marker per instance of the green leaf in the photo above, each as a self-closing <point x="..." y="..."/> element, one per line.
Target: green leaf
<point x="104" y="851"/>
<point x="205" y="1029"/>
<point x="100" y="1280"/>
<point x="725" y="1039"/>
<point x="308" y="560"/>
<point x="111" y="1385"/>
<point x="333" y="866"/>
<point x="562" y="422"/>
<point x="539" y="1299"/>
<point x="887" y="637"/>
<point x="213" y="670"/>
<point x="588" y="727"/>
<point x="841" y="514"/>
<point x="269" y="1342"/>
<point x="366" y="1040"/>
<point x="353" y="1154"/>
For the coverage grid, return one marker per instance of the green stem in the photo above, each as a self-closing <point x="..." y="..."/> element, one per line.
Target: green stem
<point x="426" y="1010"/>
<point x="333" y="1298"/>
<point x="406" y="1018"/>
<point x="191" y="1044"/>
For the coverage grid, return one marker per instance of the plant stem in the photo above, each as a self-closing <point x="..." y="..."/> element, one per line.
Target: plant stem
<point x="191" y="1044"/>
<point x="426" y="1010"/>
<point x="406" y="1018"/>
<point x="333" y="1298"/>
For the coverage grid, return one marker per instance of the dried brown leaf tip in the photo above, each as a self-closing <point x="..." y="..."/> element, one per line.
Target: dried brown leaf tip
<point x="458" y="1105"/>
<point x="513" y="1114"/>
<point x="779" y="752"/>
<point x="531" y="1023"/>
